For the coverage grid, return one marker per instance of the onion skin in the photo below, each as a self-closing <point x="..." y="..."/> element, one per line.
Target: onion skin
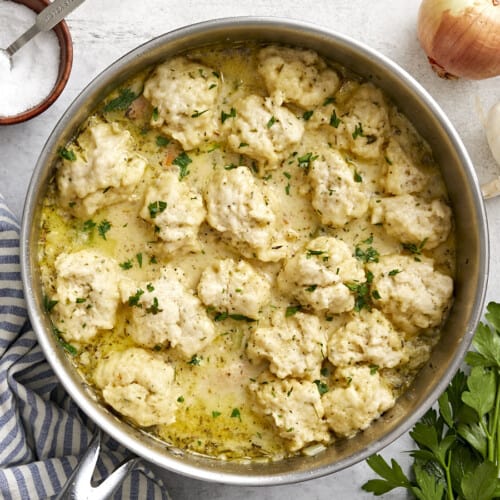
<point x="461" y="37"/>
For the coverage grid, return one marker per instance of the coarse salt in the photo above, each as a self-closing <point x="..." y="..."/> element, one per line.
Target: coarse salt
<point x="35" y="67"/>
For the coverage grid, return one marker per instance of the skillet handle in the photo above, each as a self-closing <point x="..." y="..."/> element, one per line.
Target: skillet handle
<point x="79" y="485"/>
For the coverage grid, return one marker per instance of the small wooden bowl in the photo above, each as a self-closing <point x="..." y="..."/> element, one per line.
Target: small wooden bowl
<point x="65" y="64"/>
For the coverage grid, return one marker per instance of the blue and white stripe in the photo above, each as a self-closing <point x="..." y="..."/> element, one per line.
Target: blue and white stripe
<point x="42" y="431"/>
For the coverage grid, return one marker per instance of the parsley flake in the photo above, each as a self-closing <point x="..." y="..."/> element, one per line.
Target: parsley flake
<point x="236" y="414"/>
<point x="103" y="227"/>
<point x="182" y="161"/>
<point x="162" y="141"/>
<point x="122" y="102"/>
<point x="271" y="122"/>
<point x="334" y="120"/>
<point x="307" y="115"/>
<point x="133" y="300"/>
<point x="156" y="207"/>
<point x="224" y="116"/>
<point x="292" y="310"/>
<point x="67" y="154"/>
<point x="322" y="387"/>
<point x="358" y="131"/>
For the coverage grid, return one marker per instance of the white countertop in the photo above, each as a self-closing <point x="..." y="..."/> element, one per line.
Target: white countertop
<point x="104" y="30"/>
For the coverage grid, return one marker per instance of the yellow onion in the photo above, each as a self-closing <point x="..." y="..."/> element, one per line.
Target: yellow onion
<point x="461" y="37"/>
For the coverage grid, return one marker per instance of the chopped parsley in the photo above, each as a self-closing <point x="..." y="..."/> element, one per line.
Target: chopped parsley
<point x="376" y="295"/>
<point x="311" y="288"/>
<point x="287" y="189"/>
<point x="358" y="131"/>
<point x="126" y="265"/>
<point x="271" y="122"/>
<point x="393" y="272"/>
<point x="154" y="308"/>
<point x="103" y="227"/>
<point x="292" y="310"/>
<point x="65" y="345"/>
<point x="307" y="115"/>
<point x="322" y="387"/>
<point x="328" y="100"/>
<point x="122" y="102"/>
<point x="236" y="414"/>
<point x="49" y="304"/>
<point x="80" y="300"/>
<point x="67" y="154"/>
<point x="368" y="254"/>
<point x="243" y="145"/>
<point x="156" y="207"/>
<point x="196" y="114"/>
<point x="88" y="225"/>
<point x="357" y="177"/>
<point x="182" y="161"/>
<point x="194" y="361"/>
<point x="310" y="253"/>
<point x="374" y="369"/>
<point x="133" y="300"/>
<point x="224" y="116"/>
<point x="162" y="141"/>
<point x="241" y="317"/>
<point x="306" y="160"/>
<point x="139" y="259"/>
<point x="334" y="119"/>
<point x="150" y="287"/>
<point x="221" y="316"/>
<point x="155" y="114"/>
<point x="231" y="166"/>
<point x="216" y="414"/>
<point x="415" y="249"/>
<point x="180" y="399"/>
<point x="361" y="291"/>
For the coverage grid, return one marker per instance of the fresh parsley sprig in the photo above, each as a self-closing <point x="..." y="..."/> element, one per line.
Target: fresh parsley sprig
<point x="458" y="455"/>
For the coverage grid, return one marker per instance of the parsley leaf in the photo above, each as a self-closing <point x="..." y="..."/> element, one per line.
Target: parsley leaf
<point x="335" y="120"/>
<point x="322" y="387"/>
<point x="103" y="227"/>
<point x="224" y="116"/>
<point x="194" y="361"/>
<point x="271" y="122"/>
<point x="122" y="102"/>
<point x="236" y="414"/>
<point x="292" y="310"/>
<point x="156" y="207"/>
<point x="162" y="141"/>
<point x="126" y="265"/>
<point x="67" y="154"/>
<point x="307" y="115"/>
<point x="358" y="131"/>
<point x="182" y="161"/>
<point x="305" y="161"/>
<point x="49" y="304"/>
<point x="458" y="453"/>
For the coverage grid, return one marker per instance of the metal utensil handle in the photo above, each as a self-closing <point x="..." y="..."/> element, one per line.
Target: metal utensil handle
<point x="55" y="13"/>
<point x="45" y="21"/>
<point x="79" y="485"/>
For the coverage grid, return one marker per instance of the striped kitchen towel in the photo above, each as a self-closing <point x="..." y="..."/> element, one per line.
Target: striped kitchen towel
<point x="43" y="433"/>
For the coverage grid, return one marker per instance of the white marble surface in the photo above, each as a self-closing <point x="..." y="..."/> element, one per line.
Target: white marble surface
<point x="103" y="30"/>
